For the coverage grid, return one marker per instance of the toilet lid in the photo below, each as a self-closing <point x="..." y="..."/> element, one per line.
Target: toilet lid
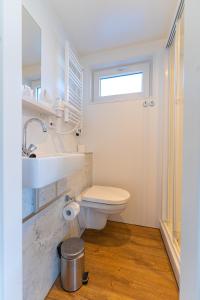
<point x="105" y="194"/>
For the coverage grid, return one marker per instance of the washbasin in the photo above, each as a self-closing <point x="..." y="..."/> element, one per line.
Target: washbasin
<point x="43" y="170"/>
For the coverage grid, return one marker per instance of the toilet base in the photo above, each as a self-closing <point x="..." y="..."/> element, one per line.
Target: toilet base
<point x="96" y="217"/>
<point x="91" y="219"/>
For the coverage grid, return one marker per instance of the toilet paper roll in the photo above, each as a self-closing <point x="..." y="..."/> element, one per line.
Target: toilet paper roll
<point x="70" y="211"/>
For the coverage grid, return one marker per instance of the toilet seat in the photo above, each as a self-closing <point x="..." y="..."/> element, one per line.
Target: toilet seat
<point x="105" y="195"/>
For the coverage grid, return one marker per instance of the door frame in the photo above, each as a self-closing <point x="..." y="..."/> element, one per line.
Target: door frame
<point x="190" y="256"/>
<point x="10" y="151"/>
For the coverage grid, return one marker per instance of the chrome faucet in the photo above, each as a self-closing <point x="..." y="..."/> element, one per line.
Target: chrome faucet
<point x="27" y="151"/>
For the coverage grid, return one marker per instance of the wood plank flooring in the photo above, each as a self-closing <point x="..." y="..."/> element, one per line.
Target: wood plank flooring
<point x="125" y="262"/>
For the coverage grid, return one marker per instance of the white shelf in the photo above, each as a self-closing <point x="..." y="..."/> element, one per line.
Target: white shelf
<point x="38" y="107"/>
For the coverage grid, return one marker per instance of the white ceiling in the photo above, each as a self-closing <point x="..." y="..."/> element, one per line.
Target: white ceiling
<point x="94" y="25"/>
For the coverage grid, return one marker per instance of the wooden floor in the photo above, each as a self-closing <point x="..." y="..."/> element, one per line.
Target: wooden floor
<point x="125" y="262"/>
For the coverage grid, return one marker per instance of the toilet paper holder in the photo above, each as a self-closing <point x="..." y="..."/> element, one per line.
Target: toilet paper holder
<point x="71" y="210"/>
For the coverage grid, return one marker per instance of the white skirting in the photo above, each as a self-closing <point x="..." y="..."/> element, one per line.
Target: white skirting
<point x="172" y="250"/>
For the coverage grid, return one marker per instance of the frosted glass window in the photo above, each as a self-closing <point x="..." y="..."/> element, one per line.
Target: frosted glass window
<point x="121" y="84"/>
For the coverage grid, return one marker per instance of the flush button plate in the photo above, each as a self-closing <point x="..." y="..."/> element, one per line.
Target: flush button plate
<point x="147" y="103"/>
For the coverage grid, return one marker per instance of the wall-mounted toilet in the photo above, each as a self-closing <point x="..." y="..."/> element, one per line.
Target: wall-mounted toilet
<point x="98" y="202"/>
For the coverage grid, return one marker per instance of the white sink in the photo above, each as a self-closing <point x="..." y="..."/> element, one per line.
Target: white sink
<point x="43" y="170"/>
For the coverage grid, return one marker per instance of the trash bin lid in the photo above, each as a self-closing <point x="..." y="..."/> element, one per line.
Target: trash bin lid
<point x="72" y="248"/>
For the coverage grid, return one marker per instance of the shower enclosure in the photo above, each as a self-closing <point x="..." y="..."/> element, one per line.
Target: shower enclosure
<point x="173" y="143"/>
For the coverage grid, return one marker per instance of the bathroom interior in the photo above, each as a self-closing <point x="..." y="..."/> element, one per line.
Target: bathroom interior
<point x="102" y="147"/>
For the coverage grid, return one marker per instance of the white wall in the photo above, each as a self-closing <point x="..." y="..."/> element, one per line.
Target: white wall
<point x="10" y="151"/>
<point x="124" y="136"/>
<point x="52" y="73"/>
<point x="190" y="258"/>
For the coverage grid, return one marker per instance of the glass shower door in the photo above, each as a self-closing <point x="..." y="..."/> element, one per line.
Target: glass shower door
<point x="175" y="133"/>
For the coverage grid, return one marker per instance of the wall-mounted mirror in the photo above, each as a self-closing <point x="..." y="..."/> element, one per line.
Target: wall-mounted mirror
<point x="31" y="56"/>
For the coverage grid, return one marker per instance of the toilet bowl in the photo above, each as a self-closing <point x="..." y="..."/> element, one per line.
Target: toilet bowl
<point x="98" y="203"/>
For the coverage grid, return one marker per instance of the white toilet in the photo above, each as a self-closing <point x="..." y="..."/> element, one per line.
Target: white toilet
<point x="98" y="202"/>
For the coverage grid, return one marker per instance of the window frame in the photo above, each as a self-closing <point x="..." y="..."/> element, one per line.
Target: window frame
<point x="121" y="71"/>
